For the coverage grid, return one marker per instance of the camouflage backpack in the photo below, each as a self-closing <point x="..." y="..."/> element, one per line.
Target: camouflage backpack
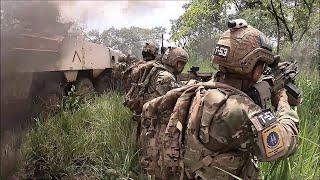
<point x="140" y="77"/>
<point x="165" y="121"/>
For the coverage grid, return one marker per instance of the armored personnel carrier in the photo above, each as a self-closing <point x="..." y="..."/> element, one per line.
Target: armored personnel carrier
<point x="43" y="65"/>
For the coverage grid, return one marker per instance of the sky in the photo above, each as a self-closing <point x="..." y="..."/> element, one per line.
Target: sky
<point x="102" y="15"/>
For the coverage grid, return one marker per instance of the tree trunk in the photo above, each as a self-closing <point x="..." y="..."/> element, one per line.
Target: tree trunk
<point x="278" y="36"/>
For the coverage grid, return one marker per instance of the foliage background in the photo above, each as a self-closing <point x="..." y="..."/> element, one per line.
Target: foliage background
<point x="128" y="40"/>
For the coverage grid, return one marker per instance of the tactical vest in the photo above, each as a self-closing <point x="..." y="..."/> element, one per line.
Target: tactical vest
<point x="175" y="146"/>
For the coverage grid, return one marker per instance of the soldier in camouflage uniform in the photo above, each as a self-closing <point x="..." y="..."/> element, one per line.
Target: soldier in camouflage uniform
<point x="214" y="130"/>
<point x="126" y="63"/>
<point x="149" y="53"/>
<point x="153" y="79"/>
<point x="165" y="79"/>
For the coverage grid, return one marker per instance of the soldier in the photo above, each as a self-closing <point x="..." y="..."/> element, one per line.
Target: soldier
<point x="172" y="64"/>
<point x="149" y="51"/>
<point x="127" y="62"/>
<point x="214" y="129"/>
<point x="154" y="78"/>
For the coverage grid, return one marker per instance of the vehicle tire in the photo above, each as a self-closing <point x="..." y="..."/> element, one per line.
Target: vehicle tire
<point x="104" y="82"/>
<point x="84" y="87"/>
<point x="111" y="81"/>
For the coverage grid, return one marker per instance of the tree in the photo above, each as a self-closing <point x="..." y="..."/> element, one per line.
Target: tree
<point x="285" y="21"/>
<point x="288" y="20"/>
<point x="128" y="40"/>
<point x="198" y="27"/>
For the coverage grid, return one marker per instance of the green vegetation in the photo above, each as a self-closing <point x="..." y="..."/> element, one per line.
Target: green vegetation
<point x="127" y="40"/>
<point x="291" y="24"/>
<point x="305" y="163"/>
<point x="204" y="65"/>
<point x="92" y="141"/>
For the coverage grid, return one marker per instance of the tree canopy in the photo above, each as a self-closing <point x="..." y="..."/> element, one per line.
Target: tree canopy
<point x="128" y="40"/>
<point x="291" y="24"/>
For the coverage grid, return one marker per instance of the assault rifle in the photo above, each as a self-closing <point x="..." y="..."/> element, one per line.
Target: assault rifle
<point x="277" y="76"/>
<point x="194" y="74"/>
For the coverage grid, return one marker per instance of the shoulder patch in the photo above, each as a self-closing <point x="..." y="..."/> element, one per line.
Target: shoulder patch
<point x="263" y="119"/>
<point x="266" y="118"/>
<point x="272" y="140"/>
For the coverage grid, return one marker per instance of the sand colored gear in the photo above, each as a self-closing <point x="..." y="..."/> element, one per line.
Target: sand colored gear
<point x="239" y="49"/>
<point x="173" y="55"/>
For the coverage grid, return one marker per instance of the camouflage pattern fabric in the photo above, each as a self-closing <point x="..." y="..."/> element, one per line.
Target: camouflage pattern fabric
<point x="238" y="50"/>
<point x="204" y="131"/>
<point x="148" y="80"/>
<point x="120" y="69"/>
<point x="149" y="51"/>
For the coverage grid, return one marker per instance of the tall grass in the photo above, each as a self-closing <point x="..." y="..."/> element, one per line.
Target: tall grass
<point x="204" y="65"/>
<point x="305" y="163"/>
<point x="91" y="142"/>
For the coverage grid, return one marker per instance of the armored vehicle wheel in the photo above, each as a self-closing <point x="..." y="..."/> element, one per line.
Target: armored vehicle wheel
<point x="103" y="83"/>
<point x="48" y="99"/>
<point x="111" y="81"/>
<point x="84" y="87"/>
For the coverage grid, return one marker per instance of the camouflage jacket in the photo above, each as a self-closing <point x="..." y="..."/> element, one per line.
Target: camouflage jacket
<point x="213" y="131"/>
<point x="161" y="82"/>
<point x="148" y="81"/>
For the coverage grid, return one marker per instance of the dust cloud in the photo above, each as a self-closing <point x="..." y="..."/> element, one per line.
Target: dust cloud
<point x="85" y="12"/>
<point x="53" y="18"/>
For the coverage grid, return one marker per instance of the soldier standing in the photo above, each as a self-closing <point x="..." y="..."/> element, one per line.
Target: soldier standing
<point x="224" y="134"/>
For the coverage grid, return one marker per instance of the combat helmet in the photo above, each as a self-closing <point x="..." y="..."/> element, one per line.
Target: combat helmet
<point x="149" y="51"/>
<point x="241" y="47"/>
<point x="173" y="55"/>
